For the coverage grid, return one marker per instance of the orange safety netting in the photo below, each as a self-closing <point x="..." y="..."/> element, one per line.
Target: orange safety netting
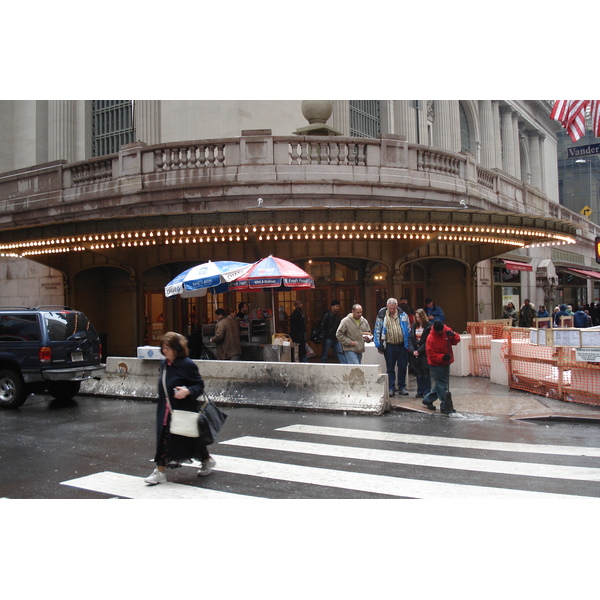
<point x="551" y="371"/>
<point x="482" y="335"/>
<point x="547" y="370"/>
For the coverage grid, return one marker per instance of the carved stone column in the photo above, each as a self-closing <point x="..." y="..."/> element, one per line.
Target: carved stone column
<point x="488" y="141"/>
<point x="508" y="145"/>
<point x="541" y="140"/>
<point x="61" y="130"/>
<point x="497" y="137"/>
<point x="517" y="145"/>
<point x="147" y="121"/>
<point x="536" y="166"/>
<point x="405" y="120"/>
<point x="446" y="125"/>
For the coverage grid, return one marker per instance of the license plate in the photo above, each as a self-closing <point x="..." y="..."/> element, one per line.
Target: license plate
<point x="76" y="356"/>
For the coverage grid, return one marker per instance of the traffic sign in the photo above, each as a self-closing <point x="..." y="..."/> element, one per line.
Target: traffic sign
<point x="586" y="211"/>
<point x="578" y="151"/>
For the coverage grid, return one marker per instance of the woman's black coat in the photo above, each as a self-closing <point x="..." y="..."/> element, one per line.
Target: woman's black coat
<point x="421" y="360"/>
<point x="183" y="372"/>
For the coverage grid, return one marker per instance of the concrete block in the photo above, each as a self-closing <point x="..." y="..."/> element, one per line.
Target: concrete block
<point x="498" y="366"/>
<point x="461" y="367"/>
<point x="305" y="386"/>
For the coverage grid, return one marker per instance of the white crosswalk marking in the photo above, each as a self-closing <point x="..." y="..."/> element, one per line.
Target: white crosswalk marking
<point x="337" y="466"/>
<point x="379" y="484"/>
<point x="429" y="440"/>
<point x="129" y="486"/>
<point x="423" y="460"/>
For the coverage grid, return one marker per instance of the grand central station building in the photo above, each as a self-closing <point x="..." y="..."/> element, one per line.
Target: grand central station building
<point x="104" y="202"/>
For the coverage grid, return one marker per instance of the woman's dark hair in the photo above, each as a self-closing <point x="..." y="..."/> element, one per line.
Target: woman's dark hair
<point x="176" y="342"/>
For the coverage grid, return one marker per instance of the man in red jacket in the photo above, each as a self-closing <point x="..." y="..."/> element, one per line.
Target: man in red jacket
<point x="439" y="357"/>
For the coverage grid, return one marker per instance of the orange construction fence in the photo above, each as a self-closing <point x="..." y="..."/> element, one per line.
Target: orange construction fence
<point x="547" y="370"/>
<point x="482" y="335"/>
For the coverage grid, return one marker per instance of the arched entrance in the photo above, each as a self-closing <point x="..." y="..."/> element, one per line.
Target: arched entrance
<point x="105" y="295"/>
<point x="446" y="281"/>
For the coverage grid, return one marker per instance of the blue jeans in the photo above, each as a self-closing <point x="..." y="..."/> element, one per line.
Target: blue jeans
<point x="396" y="355"/>
<point x="441" y="377"/>
<point x="337" y="348"/>
<point x="353" y="358"/>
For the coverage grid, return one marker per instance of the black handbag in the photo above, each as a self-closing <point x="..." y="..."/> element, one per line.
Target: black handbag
<point x="210" y="421"/>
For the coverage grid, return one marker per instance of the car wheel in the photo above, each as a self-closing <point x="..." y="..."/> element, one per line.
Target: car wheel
<point x="64" y="390"/>
<point x="12" y="389"/>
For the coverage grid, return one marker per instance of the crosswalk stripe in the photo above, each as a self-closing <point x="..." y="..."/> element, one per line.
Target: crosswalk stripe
<point x="379" y="484"/>
<point x="423" y="460"/>
<point x="128" y="486"/>
<point x="366" y="434"/>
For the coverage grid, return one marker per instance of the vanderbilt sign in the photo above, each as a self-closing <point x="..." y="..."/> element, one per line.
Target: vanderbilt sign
<point x="583" y="150"/>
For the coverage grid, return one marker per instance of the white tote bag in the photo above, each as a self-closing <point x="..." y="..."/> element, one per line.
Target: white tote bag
<point x="183" y="422"/>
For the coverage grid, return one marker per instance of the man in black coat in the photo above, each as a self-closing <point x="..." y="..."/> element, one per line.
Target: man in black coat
<point x="298" y="330"/>
<point x="330" y="321"/>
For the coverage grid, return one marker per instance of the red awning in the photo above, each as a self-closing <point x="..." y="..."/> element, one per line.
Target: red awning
<point x="515" y="265"/>
<point x="592" y="274"/>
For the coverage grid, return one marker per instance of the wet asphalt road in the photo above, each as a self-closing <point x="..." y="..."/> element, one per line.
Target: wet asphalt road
<point x="46" y="442"/>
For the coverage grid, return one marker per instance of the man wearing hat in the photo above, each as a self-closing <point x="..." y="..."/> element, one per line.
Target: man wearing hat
<point x="440" y="356"/>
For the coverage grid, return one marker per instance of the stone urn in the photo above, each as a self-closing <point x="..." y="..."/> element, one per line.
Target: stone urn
<point x="316" y="112"/>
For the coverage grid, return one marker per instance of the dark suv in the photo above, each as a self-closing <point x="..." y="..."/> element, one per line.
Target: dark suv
<point x="45" y="349"/>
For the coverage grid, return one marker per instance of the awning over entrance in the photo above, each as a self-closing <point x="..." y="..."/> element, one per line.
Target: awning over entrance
<point x="516" y="265"/>
<point x="592" y="274"/>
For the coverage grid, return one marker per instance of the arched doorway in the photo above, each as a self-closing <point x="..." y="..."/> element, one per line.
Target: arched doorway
<point x="105" y="295"/>
<point x="445" y="281"/>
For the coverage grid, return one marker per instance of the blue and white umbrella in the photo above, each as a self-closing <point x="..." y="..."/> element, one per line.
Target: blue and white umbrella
<point x="211" y="277"/>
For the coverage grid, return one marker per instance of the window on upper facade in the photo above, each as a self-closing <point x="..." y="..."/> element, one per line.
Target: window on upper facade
<point x="365" y="118"/>
<point x="465" y="138"/>
<point x="112" y="125"/>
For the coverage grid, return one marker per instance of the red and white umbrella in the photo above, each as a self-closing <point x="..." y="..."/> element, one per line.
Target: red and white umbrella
<point x="275" y="274"/>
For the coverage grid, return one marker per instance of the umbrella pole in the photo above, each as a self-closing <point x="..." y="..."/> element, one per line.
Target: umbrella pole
<point x="273" y="309"/>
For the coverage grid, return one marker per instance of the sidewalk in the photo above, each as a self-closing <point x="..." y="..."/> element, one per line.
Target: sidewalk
<point x="476" y="395"/>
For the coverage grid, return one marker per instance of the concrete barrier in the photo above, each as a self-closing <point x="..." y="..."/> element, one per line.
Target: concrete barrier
<point x="304" y="386"/>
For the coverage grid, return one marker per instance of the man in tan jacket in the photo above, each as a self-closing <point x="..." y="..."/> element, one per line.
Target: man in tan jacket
<point x="353" y="332"/>
<point x="227" y="337"/>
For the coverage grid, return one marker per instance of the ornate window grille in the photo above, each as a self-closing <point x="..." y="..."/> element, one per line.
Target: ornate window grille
<point x="112" y="125"/>
<point x="365" y="118"/>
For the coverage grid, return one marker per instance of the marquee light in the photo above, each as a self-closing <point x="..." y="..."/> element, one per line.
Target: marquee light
<point x="303" y="232"/>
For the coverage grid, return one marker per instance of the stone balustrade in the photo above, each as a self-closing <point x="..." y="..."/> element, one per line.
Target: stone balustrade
<point x="348" y="171"/>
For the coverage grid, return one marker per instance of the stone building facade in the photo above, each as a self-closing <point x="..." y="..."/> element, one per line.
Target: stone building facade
<point x="456" y="200"/>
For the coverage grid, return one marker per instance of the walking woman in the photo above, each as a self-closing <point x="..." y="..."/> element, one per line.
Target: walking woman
<point x="180" y="377"/>
<point x="416" y="347"/>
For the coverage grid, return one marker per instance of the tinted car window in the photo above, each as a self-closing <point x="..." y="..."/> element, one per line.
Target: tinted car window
<point x="64" y="325"/>
<point x="19" y="328"/>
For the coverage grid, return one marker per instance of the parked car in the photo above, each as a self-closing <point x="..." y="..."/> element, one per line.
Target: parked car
<point x="43" y="349"/>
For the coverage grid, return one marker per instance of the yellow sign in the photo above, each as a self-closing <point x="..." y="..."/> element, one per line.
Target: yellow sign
<point x="586" y="211"/>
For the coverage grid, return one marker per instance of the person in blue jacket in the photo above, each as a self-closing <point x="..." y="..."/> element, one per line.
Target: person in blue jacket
<point x="433" y="312"/>
<point x="391" y="337"/>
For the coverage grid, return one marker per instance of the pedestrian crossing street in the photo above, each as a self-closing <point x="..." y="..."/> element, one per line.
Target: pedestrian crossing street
<point x="373" y="462"/>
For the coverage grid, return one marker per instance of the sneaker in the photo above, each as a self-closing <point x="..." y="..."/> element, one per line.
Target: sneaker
<point x="419" y="395"/>
<point x="403" y="391"/>
<point x="207" y="466"/>
<point x="392" y="393"/>
<point x="156" y="477"/>
<point x="428" y="405"/>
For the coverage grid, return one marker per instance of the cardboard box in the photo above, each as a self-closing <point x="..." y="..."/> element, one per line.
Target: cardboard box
<point x="149" y="353"/>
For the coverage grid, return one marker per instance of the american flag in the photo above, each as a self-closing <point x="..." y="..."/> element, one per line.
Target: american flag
<point x="571" y="115"/>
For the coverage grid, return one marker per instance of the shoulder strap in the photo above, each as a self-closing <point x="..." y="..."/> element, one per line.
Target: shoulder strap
<point x="164" y="382"/>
